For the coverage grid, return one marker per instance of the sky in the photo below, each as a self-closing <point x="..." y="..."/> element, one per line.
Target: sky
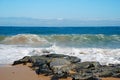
<point x="80" y="12"/>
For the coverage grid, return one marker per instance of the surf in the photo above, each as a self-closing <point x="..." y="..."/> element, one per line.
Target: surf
<point x="10" y="53"/>
<point x="69" y="40"/>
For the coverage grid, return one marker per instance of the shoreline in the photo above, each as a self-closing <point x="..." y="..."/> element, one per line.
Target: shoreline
<point x="18" y="72"/>
<point x="24" y="72"/>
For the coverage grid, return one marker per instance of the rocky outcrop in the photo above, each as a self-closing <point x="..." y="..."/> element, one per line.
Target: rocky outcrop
<point x="60" y="66"/>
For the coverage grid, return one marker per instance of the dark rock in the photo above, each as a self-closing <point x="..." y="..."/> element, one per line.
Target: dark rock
<point x="87" y="65"/>
<point x="116" y="75"/>
<point x="61" y="75"/>
<point x="60" y="67"/>
<point x="114" y="65"/>
<point x="116" y="69"/>
<point x="17" y="62"/>
<point x="106" y="73"/>
<point x="85" y="71"/>
<point x="39" y="62"/>
<point x="44" y="69"/>
<point x="24" y="60"/>
<point x="54" y="77"/>
<point x="84" y="77"/>
<point x="96" y="64"/>
<point x="56" y="55"/>
<point x="34" y="59"/>
<point x="73" y="59"/>
<point x="59" y="62"/>
<point x="95" y="70"/>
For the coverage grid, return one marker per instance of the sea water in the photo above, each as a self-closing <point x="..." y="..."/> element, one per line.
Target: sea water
<point x="100" y="44"/>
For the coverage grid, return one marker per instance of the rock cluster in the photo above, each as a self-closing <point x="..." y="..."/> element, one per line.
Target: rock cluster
<point x="63" y="66"/>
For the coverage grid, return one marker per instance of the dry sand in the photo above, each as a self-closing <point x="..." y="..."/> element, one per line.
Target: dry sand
<point x="21" y="72"/>
<point x="17" y="73"/>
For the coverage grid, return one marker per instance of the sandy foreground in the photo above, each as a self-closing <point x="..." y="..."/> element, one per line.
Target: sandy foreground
<point x="21" y="72"/>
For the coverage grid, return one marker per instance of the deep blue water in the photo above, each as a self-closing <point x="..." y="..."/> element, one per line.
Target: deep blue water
<point x="59" y="30"/>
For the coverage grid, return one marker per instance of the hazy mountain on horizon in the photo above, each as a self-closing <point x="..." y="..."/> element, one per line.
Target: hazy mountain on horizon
<point x="25" y="21"/>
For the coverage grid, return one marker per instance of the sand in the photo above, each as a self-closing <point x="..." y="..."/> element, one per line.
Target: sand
<point x="21" y="72"/>
<point x="17" y="73"/>
<point x="110" y="78"/>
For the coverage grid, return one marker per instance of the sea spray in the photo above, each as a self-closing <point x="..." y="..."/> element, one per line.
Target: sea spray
<point x="83" y="43"/>
<point x="102" y="55"/>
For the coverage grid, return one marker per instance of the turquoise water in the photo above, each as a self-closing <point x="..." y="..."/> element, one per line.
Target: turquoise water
<point x="107" y="37"/>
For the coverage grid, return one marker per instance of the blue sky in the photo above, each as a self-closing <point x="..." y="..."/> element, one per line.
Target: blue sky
<point x="62" y="9"/>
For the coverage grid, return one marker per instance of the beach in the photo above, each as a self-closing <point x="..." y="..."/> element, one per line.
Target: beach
<point x="22" y="72"/>
<point x="81" y="46"/>
<point x="59" y="39"/>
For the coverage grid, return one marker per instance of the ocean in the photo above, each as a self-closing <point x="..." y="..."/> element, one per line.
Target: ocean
<point x="100" y="44"/>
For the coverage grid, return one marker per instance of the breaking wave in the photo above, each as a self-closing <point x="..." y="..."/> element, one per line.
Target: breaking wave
<point x="88" y="47"/>
<point x="25" y="39"/>
<point x="71" y="40"/>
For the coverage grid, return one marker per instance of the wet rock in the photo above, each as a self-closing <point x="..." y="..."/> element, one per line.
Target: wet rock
<point x="61" y="75"/>
<point x="33" y="59"/>
<point x="73" y="59"/>
<point x="56" y="55"/>
<point x="114" y="65"/>
<point x="84" y="77"/>
<point x="117" y="75"/>
<point x="39" y="62"/>
<point x="58" y="63"/>
<point x="17" y="62"/>
<point x="44" y="69"/>
<point x="60" y="67"/>
<point x="87" y="65"/>
<point x="116" y="69"/>
<point x="24" y="60"/>
<point x="106" y="73"/>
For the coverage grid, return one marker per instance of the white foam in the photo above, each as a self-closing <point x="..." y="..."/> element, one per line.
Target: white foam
<point x="10" y="53"/>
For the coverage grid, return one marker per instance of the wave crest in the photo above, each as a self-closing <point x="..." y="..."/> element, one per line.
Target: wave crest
<point x="30" y="39"/>
<point x="71" y="40"/>
<point x="86" y="40"/>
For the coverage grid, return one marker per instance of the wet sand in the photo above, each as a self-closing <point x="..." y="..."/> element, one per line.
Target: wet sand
<point x="21" y="72"/>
